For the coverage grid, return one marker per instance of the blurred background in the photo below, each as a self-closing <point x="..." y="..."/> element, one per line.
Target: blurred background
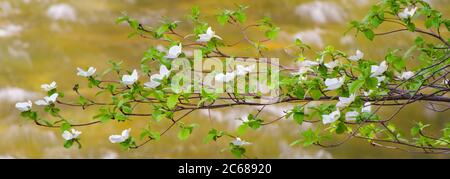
<point x="45" y="40"/>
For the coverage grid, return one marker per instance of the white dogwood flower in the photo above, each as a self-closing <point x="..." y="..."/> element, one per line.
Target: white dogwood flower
<point x="358" y="56"/>
<point x="47" y="100"/>
<point x="24" y="106"/>
<point x="330" y="118"/>
<point x="405" y="75"/>
<point x="351" y="116"/>
<point x="334" y="83"/>
<point x="368" y="93"/>
<point x="407" y="13"/>
<point x="155" y="79"/>
<point x="87" y="73"/>
<point x="302" y="70"/>
<point x="229" y="76"/>
<point x="343" y="101"/>
<point x="378" y="70"/>
<point x="308" y="63"/>
<point x="174" y="51"/>
<point x="73" y="134"/>
<point x="242" y="70"/>
<point x="239" y="142"/>
<point x="206" y="37"/>
<point x="120" y="138"/>
<point x="244" y="119"/>
<point x="367" y="107"/>
<point x="49" y="87"/>
<point x="380" y="79"/>
<point x="130" y="79"/>
<point x="331" y="65"/>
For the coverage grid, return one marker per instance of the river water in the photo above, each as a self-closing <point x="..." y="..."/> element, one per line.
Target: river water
<point x="45" y="40"/>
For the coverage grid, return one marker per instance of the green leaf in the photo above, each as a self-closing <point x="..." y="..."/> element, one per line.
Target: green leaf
<point x="29" y="114"/>
<point x="155" y="135"/>
<point x="411" y="26"/>
<point x="254" y="123"/>
<point x="120" y="117"/>
<point x="299" y="92"/>
<point x="172" y="101"/>
<point x="418" y="128"/>
<point x="369" y="34"/>
<point x="82" y="100"/>
<point x="65" y="126"/>
<point x="396" y="61"/>
<point x="341" y="128"/>
<point x="371" y="82"/>
<point x="121" y="19"/>
<point x="195" y="12"/>
<point x="127" y="109"/>
<point x="272" y="33"/>
<point x="133" y="24"/>
<point x="315" y="94"/>
<point x="184" y="134"/>
<point x="223" y="18"/>
<point x="186" y="131"/>
<point x="309" y="137"/>
<point x="240" y="15"/>
<point x="161" y="30"/>
<point x="298" y="117"/>
<point x="237" y="151"/>
<point x="242" y="129"/>
<point x="68" y="143"/>
<point x="151" y="134"/>
<point x="213" y="134"/>
<point x="355" y="86"/>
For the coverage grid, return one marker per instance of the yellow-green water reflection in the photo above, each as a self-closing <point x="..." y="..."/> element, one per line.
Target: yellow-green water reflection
<point x="37" y="47"/>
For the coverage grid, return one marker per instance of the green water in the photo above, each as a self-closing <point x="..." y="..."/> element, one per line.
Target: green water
<point x="45" y="49"/>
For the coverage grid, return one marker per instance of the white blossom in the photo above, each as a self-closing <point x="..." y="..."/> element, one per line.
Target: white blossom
<point x="206" y="37"/>
<point x="331" y="65"/>
<point x="244" y="119"/>
<point x="351" y="116"/>
<point x="155" y="79"/>
<point x="367" y="107"/>
<point x="302" y="70"/>
<point x="49" y="87"/>
<point x="407" y="13"/>
<point x="334" y="83"/>
<point x="242" y="70"/>
<point x="239" y="142"/>
<point x="130" y="79"/>
<point x="229" y="76"/>
<point x="368" y="93"/>
<point x="87" y="73"/>
<point x="358" y="56"/>
<point x="405" y="75"/>
<point x="343" y="101"/>
<point x="120" y="138"/>
<point x="24" y="106"/>
<point x="73" y="134"/>
<point x="47" y="100"/>
<point x="378" y="70"/>
<point x="174" y="51"/>
<point x="308" y="63"/>
<point x="330" y="118"/>
<point x="380" y="79"/>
